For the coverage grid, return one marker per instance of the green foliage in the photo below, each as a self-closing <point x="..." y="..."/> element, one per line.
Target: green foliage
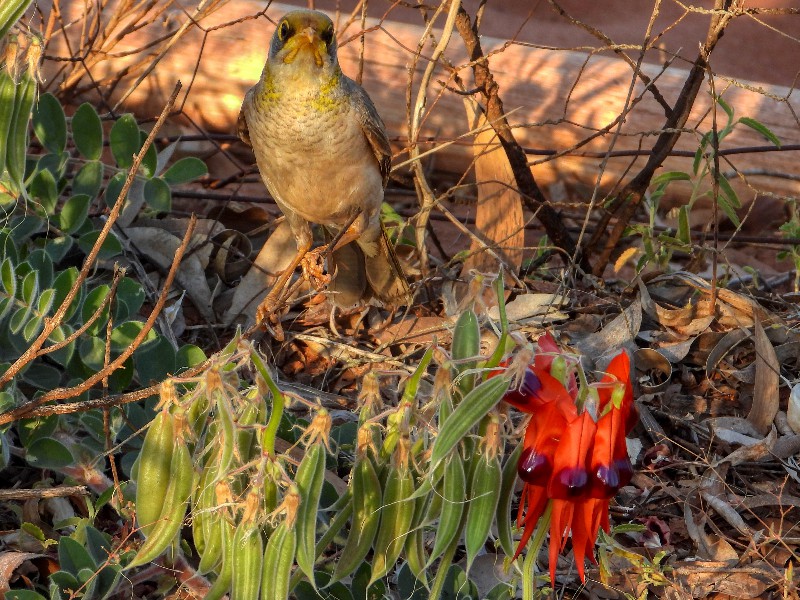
<point x="658" y="248"/>
<point x="51" y="206"/>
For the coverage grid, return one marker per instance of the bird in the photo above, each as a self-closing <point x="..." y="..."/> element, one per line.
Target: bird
<point x="324" y="156"/>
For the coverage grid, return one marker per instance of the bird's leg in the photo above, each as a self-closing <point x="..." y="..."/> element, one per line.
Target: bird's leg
<point x="267" y="307"/>
<point x="312" y="262"/>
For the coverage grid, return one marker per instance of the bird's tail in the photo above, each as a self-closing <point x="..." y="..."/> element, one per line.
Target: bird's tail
<point x="377" y="279"/>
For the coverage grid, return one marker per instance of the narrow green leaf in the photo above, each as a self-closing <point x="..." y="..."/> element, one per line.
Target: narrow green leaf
<point x="762" y="129"/>
<point x="665" y="178"/>
<point x="472" y="409"/>
<point x="87" y="131"/>
<point x="684" y="234"/>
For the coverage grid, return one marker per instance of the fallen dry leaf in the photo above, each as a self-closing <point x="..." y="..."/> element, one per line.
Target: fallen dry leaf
<point x="765" y="392"/>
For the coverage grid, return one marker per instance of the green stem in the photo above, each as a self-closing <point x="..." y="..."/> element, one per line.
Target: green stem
<point x="534" y="546"/>
<point x="278" y="402"/>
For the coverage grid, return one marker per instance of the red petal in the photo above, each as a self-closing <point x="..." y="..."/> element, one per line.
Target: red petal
<point x="536" y="500"/>
<point x="560" y="525"/>
<point x="570" y="475"/>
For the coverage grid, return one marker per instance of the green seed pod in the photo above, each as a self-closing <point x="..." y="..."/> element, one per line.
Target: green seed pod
<point x="482" y="508"/>
<point x="503" y="519"/>
<point x="309" y="479"/>
<point x="465" y="350"/>
<point x="454" y="496"/>
<point x="248" y="556"/>
<point x="168" y="525"/>
<point x="397" y="515"/>
<point x="366" y="503"/>
<point x="278" y="559"/>
<point x="222" y="584"/>
<point x="153" y="477"/>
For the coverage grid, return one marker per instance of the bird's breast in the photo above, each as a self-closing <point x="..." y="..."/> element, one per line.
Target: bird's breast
<point x="314" y="158"/>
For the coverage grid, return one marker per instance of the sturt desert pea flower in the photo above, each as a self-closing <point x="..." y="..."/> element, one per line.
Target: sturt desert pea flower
<point x="574" y="456"/>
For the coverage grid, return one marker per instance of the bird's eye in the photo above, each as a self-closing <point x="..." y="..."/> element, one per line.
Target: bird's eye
<point x="283" y="31"/>
<point x="327" y="36"/>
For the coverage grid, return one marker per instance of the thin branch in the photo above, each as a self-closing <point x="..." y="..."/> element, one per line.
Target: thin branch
<point x="495" y="114"/>
<point x="630" y="197"/>
<point x="63" y="393"/>
<point x="51" y="324"/>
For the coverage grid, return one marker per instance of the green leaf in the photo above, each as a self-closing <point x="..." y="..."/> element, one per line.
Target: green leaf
<point x="56" y="163"/>
<point x="8" y="277"/>
<point x="57" y="248"/>
<point x="89" y="179"/>
<point x="43" y="188"/>
<point x="40" y="262"/>
<point x="130" y="297"/>
<point x="72" y="556"/>
<point x="23" y="595"/>
<point x="93" y="301"/>
<point x="684" y="235"/>
<point x="49" y="123"/>
<point x="47" y="453"/>
<point x="123" y="335"/>
<point x="669" y="176"/>
<point x="188" y="356"/>
<point x="63" y="355"/>
<point x="29" y="287"/>
<point x="62" y="284"/>
<point x="158" y="195"/>
<point x="185" y="170"/>
<point x="42" y="376"/>
<point x="124" y="139"/>
<point x="74" y="213"/>
<point x="24" y="227"/>
<point x="111" y="246"/>
<point x="726" y="107"/>
<point x="114" y="188"/>
<point x="728" y="201"/>
<point x="762" y="129"/>
<point x="154" y="361"/>
<point x="92" y="351"/>
<point x="150" y="161"/>
<point x="87" y="131"/>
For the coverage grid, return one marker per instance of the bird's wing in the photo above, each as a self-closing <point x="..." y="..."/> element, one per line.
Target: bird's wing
<point x="372" y="126"/>
<point x="241" y="125"/>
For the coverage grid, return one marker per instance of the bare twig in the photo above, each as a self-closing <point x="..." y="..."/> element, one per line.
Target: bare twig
<point x="50" y="324"/>
<point x="41" y="493"/>
<point x="62" y="393"/>
<point x="495" y="114"/>
<point x="630" y="197"/>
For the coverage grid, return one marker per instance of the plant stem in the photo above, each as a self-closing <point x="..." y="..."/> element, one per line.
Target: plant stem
<point x="534" y="546"/>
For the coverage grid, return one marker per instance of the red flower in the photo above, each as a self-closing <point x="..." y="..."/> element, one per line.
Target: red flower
<point x="574" y="454"/>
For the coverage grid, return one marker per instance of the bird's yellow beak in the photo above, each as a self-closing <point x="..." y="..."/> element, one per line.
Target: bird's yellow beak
<point x="307" y="39"/>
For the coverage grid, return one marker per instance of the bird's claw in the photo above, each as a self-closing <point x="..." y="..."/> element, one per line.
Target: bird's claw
<point x="314" y="270"/>
<point x="267" y="317"/>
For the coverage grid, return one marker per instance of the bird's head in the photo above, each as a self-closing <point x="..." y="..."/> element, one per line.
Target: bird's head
<point x="304" y="41"/>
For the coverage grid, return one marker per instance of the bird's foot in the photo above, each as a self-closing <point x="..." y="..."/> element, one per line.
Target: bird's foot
<point x="267" y="317"/>
<point x="314" y="269"/>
